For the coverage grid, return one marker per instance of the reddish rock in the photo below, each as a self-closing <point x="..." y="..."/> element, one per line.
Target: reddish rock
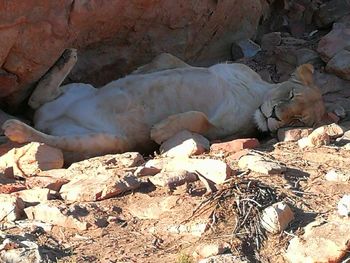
<point x="30" y="159"/>
<point x="33" y="34"/>
<point x="235" y="145"/>
<point x="8" y="83"/>
<point x="329" y="83"/>
<point x="11" y="188"/>
<point x="236" y="156"/>
<point x="331" y="11"/>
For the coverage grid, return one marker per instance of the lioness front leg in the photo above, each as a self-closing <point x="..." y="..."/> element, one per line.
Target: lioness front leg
<point x="193" y="121"/>
<point x="93" y="144"/>
<point x="48" y="87"/>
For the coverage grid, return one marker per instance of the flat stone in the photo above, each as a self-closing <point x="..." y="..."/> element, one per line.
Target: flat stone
<point x="293" y="134"/>
<point x="102" y="177"/>
<point x="276" y="217"/>
<point x="214" y="170"/>
<point x="331" y="11"/>
<point x="35" y="195"/>
<point x="11" y="207"/>
<point x="235" y="145"/>
<point x="320" y="243"/>
<point x="260" y="164"/>
<point x="185" y="144"/>
<point x="154" y="207"/>
<point x="54" y="215"/>
<point x="30" y="159"/>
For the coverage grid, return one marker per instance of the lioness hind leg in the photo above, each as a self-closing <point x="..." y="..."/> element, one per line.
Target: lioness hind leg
<point x="90" y="144"/>
<point x="161" y="62"/>
<point x="48" y="87"/>
<point x="194" y="121"/>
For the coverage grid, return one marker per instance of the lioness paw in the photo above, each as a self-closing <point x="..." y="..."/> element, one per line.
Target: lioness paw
<point x="17" y="131"/>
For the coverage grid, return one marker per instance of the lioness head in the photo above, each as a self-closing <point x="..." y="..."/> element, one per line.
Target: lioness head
<point x="296" y="102"/>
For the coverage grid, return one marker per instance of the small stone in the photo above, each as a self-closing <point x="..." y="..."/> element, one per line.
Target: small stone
<point x="225" y="258"/>
<point x="35" y="195"/>
<point x="236" y="156"/>
<point x="344" y="206"/>
<point x="50" y="214"/>
<point x="270" y="41"/>
<point x="173" y="179"/>
<point x="235" y="145"/>
<point x="321" y="242"/>
<point x="184" y="143"/>
<point x="30" y="159"/>
<point x="211" y="249"/>
<point x="336" y="176"/>
<point x="293" y="134"/>
<point x="260" y="164"/>
<point x="305" y="55"/>
<point x="194" y="229"/>
<point x="340" y="65"/>
<point x="347" y="146"/>
<point x="316" y="139"/>
<point x="11" y="207"/>
<point x="276" y="217"/>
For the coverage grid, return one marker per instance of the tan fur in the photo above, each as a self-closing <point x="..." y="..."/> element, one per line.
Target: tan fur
<point x="161" y="99"/>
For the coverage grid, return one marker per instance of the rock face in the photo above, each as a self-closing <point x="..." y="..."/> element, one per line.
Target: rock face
<point x="114" y="37"/>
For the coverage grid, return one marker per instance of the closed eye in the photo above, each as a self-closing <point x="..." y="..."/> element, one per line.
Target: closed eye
<point x="273" y="114"/>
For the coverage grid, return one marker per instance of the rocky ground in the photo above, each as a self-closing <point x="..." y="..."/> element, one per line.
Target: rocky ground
<point x="278" y="198"/>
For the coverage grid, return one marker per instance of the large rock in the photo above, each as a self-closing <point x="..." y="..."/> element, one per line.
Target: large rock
<point x="340" y="64"/>
<point x="114" y="37"/>
<point x="320" y="243"/>
<point x="334" y="41"/>
<point x="102" y="177"/>
<point x="331" y="11"/>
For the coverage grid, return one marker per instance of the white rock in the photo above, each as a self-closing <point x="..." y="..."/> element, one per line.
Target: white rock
<point x="225" y="258"/>
<point x="276" y="217"/>
<point x="344" y="206"/>
<point x="173" y="179"/>
<point x="184" y="144"/>
<point x="211" y="249"/>
<point x="336" y="176"/>
<point x="35" y="195"/>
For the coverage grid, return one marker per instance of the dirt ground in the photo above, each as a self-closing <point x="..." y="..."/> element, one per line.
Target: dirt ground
<point x="124" y="237"/>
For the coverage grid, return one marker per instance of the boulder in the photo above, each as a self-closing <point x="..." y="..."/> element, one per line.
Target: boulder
<point x="276" y="217"/>
<point x="122" y="36"/>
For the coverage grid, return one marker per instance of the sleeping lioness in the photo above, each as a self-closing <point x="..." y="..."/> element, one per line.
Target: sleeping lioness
<point x="160" y="99"/>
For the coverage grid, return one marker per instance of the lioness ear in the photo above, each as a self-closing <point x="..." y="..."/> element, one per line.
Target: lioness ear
<point x="304" y="74"/>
